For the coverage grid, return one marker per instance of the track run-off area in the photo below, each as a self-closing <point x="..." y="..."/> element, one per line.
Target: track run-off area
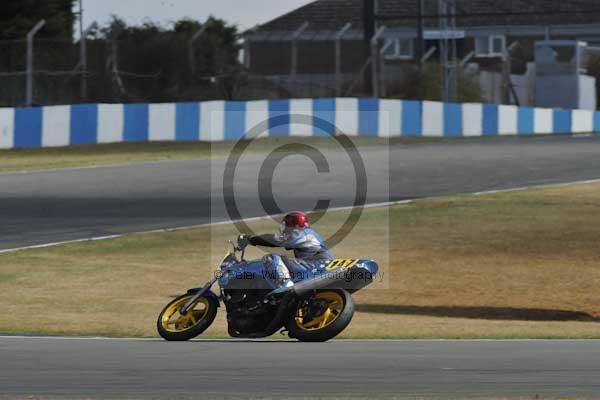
<point x="71" y="204"/>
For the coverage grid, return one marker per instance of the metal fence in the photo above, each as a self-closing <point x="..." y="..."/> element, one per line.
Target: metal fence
<point x="311" y="65"/>
<point x="111" y="72"/>
<point x="167" y="67"/>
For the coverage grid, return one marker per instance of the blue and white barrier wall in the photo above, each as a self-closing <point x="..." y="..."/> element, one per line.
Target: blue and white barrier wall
<point x="220" y="120"/>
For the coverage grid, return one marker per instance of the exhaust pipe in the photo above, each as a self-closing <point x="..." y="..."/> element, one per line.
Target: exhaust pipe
<point x="320" y="282"/>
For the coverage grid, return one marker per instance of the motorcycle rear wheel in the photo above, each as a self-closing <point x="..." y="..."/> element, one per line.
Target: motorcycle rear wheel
<point x="173" y="326"/>
<point x="338" y="310"/>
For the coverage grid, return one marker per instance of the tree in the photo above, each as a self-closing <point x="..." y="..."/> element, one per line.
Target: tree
<point x="17" y="17"/>
<point x="156" y="65"/>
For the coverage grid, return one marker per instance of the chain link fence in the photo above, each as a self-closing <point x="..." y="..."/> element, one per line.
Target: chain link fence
<point x="317" y="64"/>
<point x="330" y="64"/>
<point x="115" y="71"/>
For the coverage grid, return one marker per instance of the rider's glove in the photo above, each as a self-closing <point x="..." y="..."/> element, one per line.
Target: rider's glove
<point x="243" y="241"/>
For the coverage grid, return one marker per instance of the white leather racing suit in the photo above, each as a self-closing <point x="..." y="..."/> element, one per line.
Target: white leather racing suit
<point x="308" y="247"/>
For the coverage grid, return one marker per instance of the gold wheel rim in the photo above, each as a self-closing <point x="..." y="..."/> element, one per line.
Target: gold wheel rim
<point x="335" y="305"/>
<point x="173" y="321"/>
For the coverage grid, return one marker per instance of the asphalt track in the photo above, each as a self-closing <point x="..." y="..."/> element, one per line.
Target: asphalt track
<point x="53" y="206"/>
<point x="87" y="368"/>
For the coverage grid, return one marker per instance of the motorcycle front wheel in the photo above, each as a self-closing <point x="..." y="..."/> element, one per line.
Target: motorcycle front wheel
<point x="174" y="326"/>
<point x="321" y="316"/>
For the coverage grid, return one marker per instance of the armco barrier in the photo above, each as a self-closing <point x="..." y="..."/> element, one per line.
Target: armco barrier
<point x="221" y="120"/>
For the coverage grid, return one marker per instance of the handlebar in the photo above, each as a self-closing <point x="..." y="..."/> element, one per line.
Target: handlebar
<point x="242" y="242"/>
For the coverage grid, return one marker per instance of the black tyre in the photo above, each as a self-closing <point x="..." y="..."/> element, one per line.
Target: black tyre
<point x="321" y="316"/>
<point x="173" y="326"/>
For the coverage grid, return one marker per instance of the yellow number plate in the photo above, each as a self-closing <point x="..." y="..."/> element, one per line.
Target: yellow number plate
<point x="342" y="264"/>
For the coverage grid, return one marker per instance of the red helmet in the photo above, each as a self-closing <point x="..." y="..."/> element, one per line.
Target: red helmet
<point x="295" y="220"/>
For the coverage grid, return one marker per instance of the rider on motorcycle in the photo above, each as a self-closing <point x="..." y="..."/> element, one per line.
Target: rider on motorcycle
<point x="297" y="235"/>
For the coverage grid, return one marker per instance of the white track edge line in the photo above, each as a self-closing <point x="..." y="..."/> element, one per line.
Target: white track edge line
<point x="181" y="228"/>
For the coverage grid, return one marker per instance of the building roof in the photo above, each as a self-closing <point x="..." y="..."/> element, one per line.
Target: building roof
<point x="332" y="15"/>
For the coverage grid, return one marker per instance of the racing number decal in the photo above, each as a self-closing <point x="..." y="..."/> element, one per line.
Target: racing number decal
<point x="343" y="264"/>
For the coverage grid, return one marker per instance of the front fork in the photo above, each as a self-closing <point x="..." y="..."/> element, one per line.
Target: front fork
<point x="192" y="302"/>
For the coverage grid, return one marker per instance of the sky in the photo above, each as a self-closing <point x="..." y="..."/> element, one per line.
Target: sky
<point x="245" y="13"/>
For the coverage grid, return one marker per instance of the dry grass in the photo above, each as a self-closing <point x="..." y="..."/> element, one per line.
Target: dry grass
<point x="126" y="153"/>
<point x="511" y="265"/>
<point x="105" y="154"/>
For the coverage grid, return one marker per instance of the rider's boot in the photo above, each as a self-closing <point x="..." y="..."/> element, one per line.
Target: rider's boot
<point x="283" y="278"/>
<point x="284" y="288"/>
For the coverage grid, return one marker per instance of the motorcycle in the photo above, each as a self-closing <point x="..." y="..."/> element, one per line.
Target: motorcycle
<point x="316" y="308"/>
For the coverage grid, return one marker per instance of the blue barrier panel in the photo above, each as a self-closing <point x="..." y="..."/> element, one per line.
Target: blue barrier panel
<point x="84" y="124"/>
<point x="525" y="121"/>
<point x="324" y="110"/>
<point x="562" y="121"/>
<point x="597" y="121"/>
<point x="490" y="119"/>
<point x="453" y="124"/>
<point x="279" y="126"/>
<point x="411" y="118"/>
<point x="235" y="120"/>
<point x="368" y="117"/>
<point x="135" y="126"/>
<point x="187" y="121"/>
<point x="28" y="127"/>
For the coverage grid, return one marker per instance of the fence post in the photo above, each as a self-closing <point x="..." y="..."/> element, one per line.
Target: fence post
<point x="507" y="86"/>
<point x="295" y="38"/>
<point x="29" y="78"/>
<point x="114" y="64"/>
<point x="338" y="58"/>
<point x="375" y="61"/>
<point x="247" y="58"/>
<point x="191" y="52"/>
<point x="381" y="59"/>
<point x="467" y="58"/>
<point x="428" y="55"/>
<point x="83" y="59"/>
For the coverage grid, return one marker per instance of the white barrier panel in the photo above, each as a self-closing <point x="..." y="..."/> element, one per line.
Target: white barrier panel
<point x="110" y="123"/>
<point x="433" y="119"/>
<point x="212" y="121"/>
<point x="7" y="128"/>
<point x="583" y="121"/>
<point x="472" y="115"/>
<point x="390" y="118"/>
<point x="346" y="116"/>
<point x="257" y="112"/>
<point x="302" y="108"/>
<point x="161" y="124"/>
<point x="507" y="120"/>
<point x="56" y="129"/>
<point x="543" y="121"/>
